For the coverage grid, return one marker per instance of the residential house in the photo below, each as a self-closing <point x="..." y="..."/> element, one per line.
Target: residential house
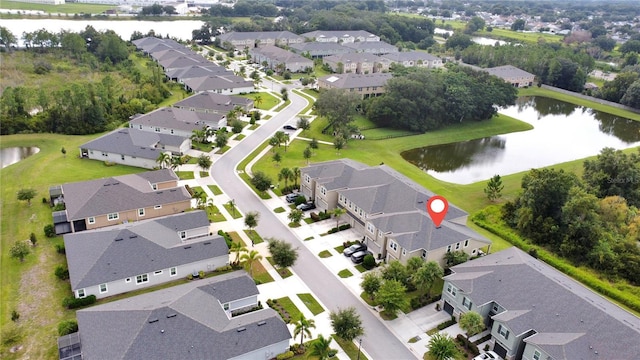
<point x="177" y="121"/>
<point x="372" y="47"/>
<point x="280" y="59"/>
<point x="182" y="62"/>
<point x="414" y="58"/>
<point x="164" y="55"/>
<point x="105" y="202"/>
<point x="199" y="320"/>
<point x="221" y="84"/>
<point x="341" y="36"/>
<point x="317" y="50"/>
<point x="134" y="147"/>
<point x="250" y="39"/>
<point x="208" y="102"/>
<point x="389" y="210"/>
<point x="356" y="63"/>
<point x="149" y="45"/>
<point x="127" y="257"/>
<point x="195" y="71"/>
<point x="511" y="74"/>
<point x="366" y="85"/>
<point x="535" y="312"/>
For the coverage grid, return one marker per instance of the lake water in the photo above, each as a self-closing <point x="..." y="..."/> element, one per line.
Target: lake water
<point x="180" y="29"/>
<point x="562" y="132"/>
<point x="12" y="155"/>
<point x="476" y="39"/>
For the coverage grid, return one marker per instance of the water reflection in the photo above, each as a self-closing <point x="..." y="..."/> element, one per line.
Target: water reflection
<point x="562" y="132"/>
<point x="12" y="155"/>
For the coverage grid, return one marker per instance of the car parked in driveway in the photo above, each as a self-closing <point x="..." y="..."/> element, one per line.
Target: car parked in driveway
<point x="306" y="206"/>
<point x="291" y="198"/>
<point x="354" y="249"/>
<point x="289" y="127"/>
<point x="358" y="257"/>
<point x="489" y="355"/>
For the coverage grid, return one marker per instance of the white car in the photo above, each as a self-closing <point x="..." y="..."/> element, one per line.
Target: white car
<point x="489" y="355"/>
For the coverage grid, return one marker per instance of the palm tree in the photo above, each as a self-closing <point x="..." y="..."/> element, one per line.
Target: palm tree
<point x="296" y="175"/>
<point x="320" y="347"/>
<point x="302" y="327"/>
<point x="442" y="347"/>
<point x="337" y="212"/>
<point x="204" y="162"/>
<point x="250" y="258"/>
<point x="164" y="160"/>
<point x="258" y="100"/>
<point x="237" y="247"/>
<point x="176" y="161"/>
<point x="285" y="175"/>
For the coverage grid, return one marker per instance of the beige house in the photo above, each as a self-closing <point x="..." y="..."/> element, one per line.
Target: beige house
<point x="365" y="85"/>
<point x="357" y="63"/>
<point x="511" y="74"/>
<point x="389" y="210"/>
<point x="250" y="39"/>
<point x="276" y="57"/>
<point x="414" y="58"/>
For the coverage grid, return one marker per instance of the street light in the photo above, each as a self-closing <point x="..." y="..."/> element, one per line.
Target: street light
<point x="359" y="346"/>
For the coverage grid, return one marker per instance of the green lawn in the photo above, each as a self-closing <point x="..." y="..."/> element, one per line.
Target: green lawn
<point x="232" y="210"/>
<point x="214" y="214"/>
<point x="325" y="254"/>
<point x="260" y="274"/>
<point x="290" y="307"/>
<point x="239" y="137"/>
<point x="185" y="175"/>
<point x="215" y="189"/>
<point x="283" y="272"/>
<point x="204" y="174"/>
<point x="311" y="303"/>
<point x="254" y="236"/>
<point x="268" y="100"/>
<point x="201" y="147"/>
<point x="339" y="249"/>
<point x="223" y="150"/>
<point x="351" y="349"/>
<point x="68" y="8"/>
<point x="345" y="273"/>
<point x="279" y="210"/>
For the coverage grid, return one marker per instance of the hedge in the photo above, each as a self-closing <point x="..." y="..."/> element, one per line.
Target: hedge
<point x="285" y="355"/>
<point x="468" y="344"/>
<point x="67" y="327"/>
<point x="73" y="303"/>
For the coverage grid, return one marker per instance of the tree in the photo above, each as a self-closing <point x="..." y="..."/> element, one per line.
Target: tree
<point x="295" y="216"/>
<point x="632" y="95"/>
<point x="337" y="212"/>
<point x="273" y="142"/>
<point x="346" y="323"/>
<point x="414" y="263"/>
<point x="176" y="161"/>
<point x="475" y="24"/>
<point x="371" y="284"/>
<point x="303" y="123"/>
<point x="442" y="347"/>
<point x="204" y="162"/>
<point x="261" y="181"/>
<point x="518" y="25"/>
<point x="302" y="327"/>
<point x="64" y="152"/>
<point x="221" y="139"/>
<point x="426" y="275"/>
<point x="284" y="93"/>
<point x="277" y="158"/>
<point x="7" y="38"/>
<point x="453" y="258"/>
<point x="19" y="250"/>
<point x="164" y="160"/>
<point x="339" y="143"/>
<point x="313" y="144"/>
<point x="26" y="194"/>
<point x="494" y="188"/>
<point x="251" y="219"/>
<point x="296" y="175"/>
<point x="112" y="47"/>
<point x="614" y="172"/>
<point x="472" y="323"/>
<point x="237" y="247"/>
<point x="307" y="154"/>
<point x="285" y="175"/>
<point x="338" y="106"/>
<point x="391" y="296"/>
<point x="282" y="253"/>
<point x="396" y="271"/>
<point x="321" y="347"/>
<point x="258" y="100"/>
<point x="250" y="258"/>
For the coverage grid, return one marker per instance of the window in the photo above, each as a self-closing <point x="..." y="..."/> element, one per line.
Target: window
<point x="503" y="332"/>
<point x="154" y="186"/>
<point x="323" y="190"/>
<point x="424" y="254"/>
<point x="141" y="212"/>
<point x="536" y="355"/>
<point x="104" y="154"/>
<point x="141" y="279"/>
<point x="140" y="126"/>
<point x="127" y="280"/>
<point x="183" y="234"/>
<point x="173" y="271"/>
<point x="103" y="288"/>
<point x="451" y="289"/>
<point x="91" y="220"/>
<point x="393" y="245"/>
<point x="159" y="272"/>
<point x="449" y="248"/>
<point x="157" y="207"/>
<point x="307" y="178"/>
<point x="157" y="129"/>
<point x="466" y="303"/>
<point x="113" y="216"/>
<point x="404" y="251"/>
<point x="370" y="228"/>
<point x="121" y="157"/>
<point x="340" y="198"/>
<point x="81" y="293"/>
<point x="457" y="246"/>
<point x="171" y="131"/>
<point x="225" y="306"/>
<point x="466" y="243"/>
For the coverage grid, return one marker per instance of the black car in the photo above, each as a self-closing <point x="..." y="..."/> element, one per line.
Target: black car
<point x="358" y="257"/>
<point x="289" y="127"/>
<point x="306" y="206"/>
<point x="354" y="249"/>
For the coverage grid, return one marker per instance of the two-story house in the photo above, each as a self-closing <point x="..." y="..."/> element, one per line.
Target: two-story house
<point x="317" y="50"/>
<point x="357" y="63"/>
<point x="514" y="76"/>
<point x="366" y="85"/>
<point x="341" y="36"/>
<point x="250" y="39"/>
<point x="226" y="84"/>
<point x="535" y="312"/>
<point x="214" y="318"/>
<point x="414" y="58"/>
<point x="208" y="102"/>
<point x="105" y="202"/>
<point x="372" y="47"/>
<point x="389" y="210"/>
<point x="276" y="57"/>
<point x="127" y="257"/>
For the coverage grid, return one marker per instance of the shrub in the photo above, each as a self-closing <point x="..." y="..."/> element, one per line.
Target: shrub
<point x="467" y="344"/>
<point x="300" y="199"/>
<point x="285" y="356"/>
<point x="73" y="303"/>
<point x="190" y="277"/>
<point x="369" y="262"/>
<point x="314" y="216"/>
<point x="60" y="249"/>
<point x="332" y="353"/>
<point x="201" y="274"/>
<point x="344" y="227"/>
<point x="446" y="324"/>
<point x="332" y="230"/>
<point x="62" y="273"/>
<point x="67" y="327"/>
<point x="224" y="268"/>
<point x="59" y="207"/>
<point x="14" y="316"/>
<point x="49" y="231"/>
<point x="324" y="215"/>
<point x="33" y="239"/>
<point x="44" y="200"/>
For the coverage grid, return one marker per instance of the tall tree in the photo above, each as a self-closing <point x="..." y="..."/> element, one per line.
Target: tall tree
<point x="204" y="162"/>
<point x="442" y="347"/>
<point x="282" y="253"/>
<point x="285" y="175"/>
<point x="303" y="327"/>
<point x="251" y="219"/>
<point x="337" y="213"/>
<point x="261" y="181"/>
<point x="346" y="323"/>
<point x="494" y="188"/>
<point x="295" y="216"/>
<point x="395" y="270"/>
<point x="7" y="38"/>
<point x="321" y="347"/>
<point x="164" y="160"/>
<point x="338" y="106"/>
<point x="391" y="296"/>
<point x="251" y="258"/>
<point x="426" y="275"/>
<point x="472" y="323"/>
<point x="307" y="154"/>
<point x="371" y="283"/>
<point x="614" y="172"/>
<point x="26" y="195"/>
<point x="237" y="248"/>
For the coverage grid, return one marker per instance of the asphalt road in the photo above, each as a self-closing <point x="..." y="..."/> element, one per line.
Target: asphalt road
<point x="378" y="340"/>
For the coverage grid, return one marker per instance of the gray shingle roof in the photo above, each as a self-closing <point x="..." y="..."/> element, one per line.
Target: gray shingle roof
<point x="133" y="142"/>
<point x="338" y="33"/>
<point x="196" y="71"/>
<point x="507" y="71"/>
<point x="181" y="322"/>
<point x="378" y="47"/>
<point x="183" y="61"/>
<point x="102" y="256"/>
<point x="176" y="118"/>
<point x="172" y="54"/>
<point x="320" y="46"/>
<point x="149" y="44"/>
<point x="409" y="56"/>
<point x="278" y="54"/>
<point x="213" y="101"/>
<point x="120" y="193"/>
<point x="216" y="82"/>
<point x="354" y="58"/>
<point x="349" y="81"/>
<point x="249" y="35"/>
<point x="567" y="317"/>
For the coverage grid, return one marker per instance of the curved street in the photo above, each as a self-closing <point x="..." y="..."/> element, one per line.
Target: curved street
<point x="378" y="341"/>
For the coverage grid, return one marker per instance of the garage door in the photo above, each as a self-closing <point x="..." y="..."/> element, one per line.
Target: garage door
<point x="500" y="350"/>
<point x="448" y="308"/>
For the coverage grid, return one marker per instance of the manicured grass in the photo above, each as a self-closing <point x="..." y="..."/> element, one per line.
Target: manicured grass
<point x="185" y="175"/>
<point x="519" y="37"/>
<point x="325" y="254"/>
<point x="279" y="210"/>
<point x="268" y="100"/>
<point x="197" y="189"/>
<point x="351" y="349"/>
<point x="308" y="220"/>
<point x="283" y="105"/>
<point x="204" y="174"/>
<point x="214" y="214"/>
<point x="223" y="150"/>
<point x="254" y="126"/>
<point x="290" y="307"/>
<point x="311" y="303"/>
<point x="215" y="189"/>
<point x="192" y="160"/>
<point x="232" y="210"/>
<point x="30" y="287"/>
<point x="387" y="316"/>
<point x="254" y="236"/>
<point x="310" y="99"/>
<point x="309" y="238"/>
<point x="345" y="273"/>
<point x="294" y="225"/>
<point x="239" y="137"/>
<point x="360" y="268"/>
<point x="201" y="147"/>
<point x="283" y="272"/>
<point x="68" y="8"/>
<point x="247" y="179"/>
<point x="260" y="274"/>
<point x="339" y="249"/>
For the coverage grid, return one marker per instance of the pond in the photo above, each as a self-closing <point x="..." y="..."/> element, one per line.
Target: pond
<point x="562" y="132"/>
<point x="12" y="155"/>
<point x="481" y="40"/>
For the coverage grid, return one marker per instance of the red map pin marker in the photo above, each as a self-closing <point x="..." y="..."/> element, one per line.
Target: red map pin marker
<point x="437" y="207"/>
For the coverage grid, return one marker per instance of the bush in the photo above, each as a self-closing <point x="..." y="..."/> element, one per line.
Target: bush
<point x="73" y="303"/>
<point x="201" y="274"/>
<point x="285" y="356"/>
<point x="49" y="231"/>
<point x="62" y="273"/>
<point x="446" y="324"/>
<point x="344" y="227"/>
<point x="15" y="316"/>
<point x="60" y="249"/>
<point x="468" y="344"/>
<point x="44" y="200"/>
<point x="33" y="239"/>
<point x="59" y="207"/>
<point x="333" y="352"/>
<point x="314" y="216"/>
<point x="369" y="262"/>
<point x="67" y="327"/>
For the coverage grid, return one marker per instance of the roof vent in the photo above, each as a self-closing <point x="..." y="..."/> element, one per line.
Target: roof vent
<point x="133" y="236"/>
<point x="159" y="192"/>
<point x="151" y="321"/>
<point x="172" y="315"/>
<point x="187" y="247"/>
<point x="106" y="184"/>
<point x="207" y="243"/>
<point x="172" y="190"/>
<point x="119" y="239"/>
<point x="262" y="323"/>
<point x="241" y="329"/>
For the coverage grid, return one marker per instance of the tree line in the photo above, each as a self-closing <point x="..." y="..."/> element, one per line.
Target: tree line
<point x="593" y="220"/>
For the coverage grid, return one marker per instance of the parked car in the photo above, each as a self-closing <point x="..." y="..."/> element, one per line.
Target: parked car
<point x="291" y="198"/>
<point x="358" y="257"/>
<point x="289" y="127"/>
<point x="489" y="355"/>
<point x="306" y="206"/>
<point x="354" y="249"/>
